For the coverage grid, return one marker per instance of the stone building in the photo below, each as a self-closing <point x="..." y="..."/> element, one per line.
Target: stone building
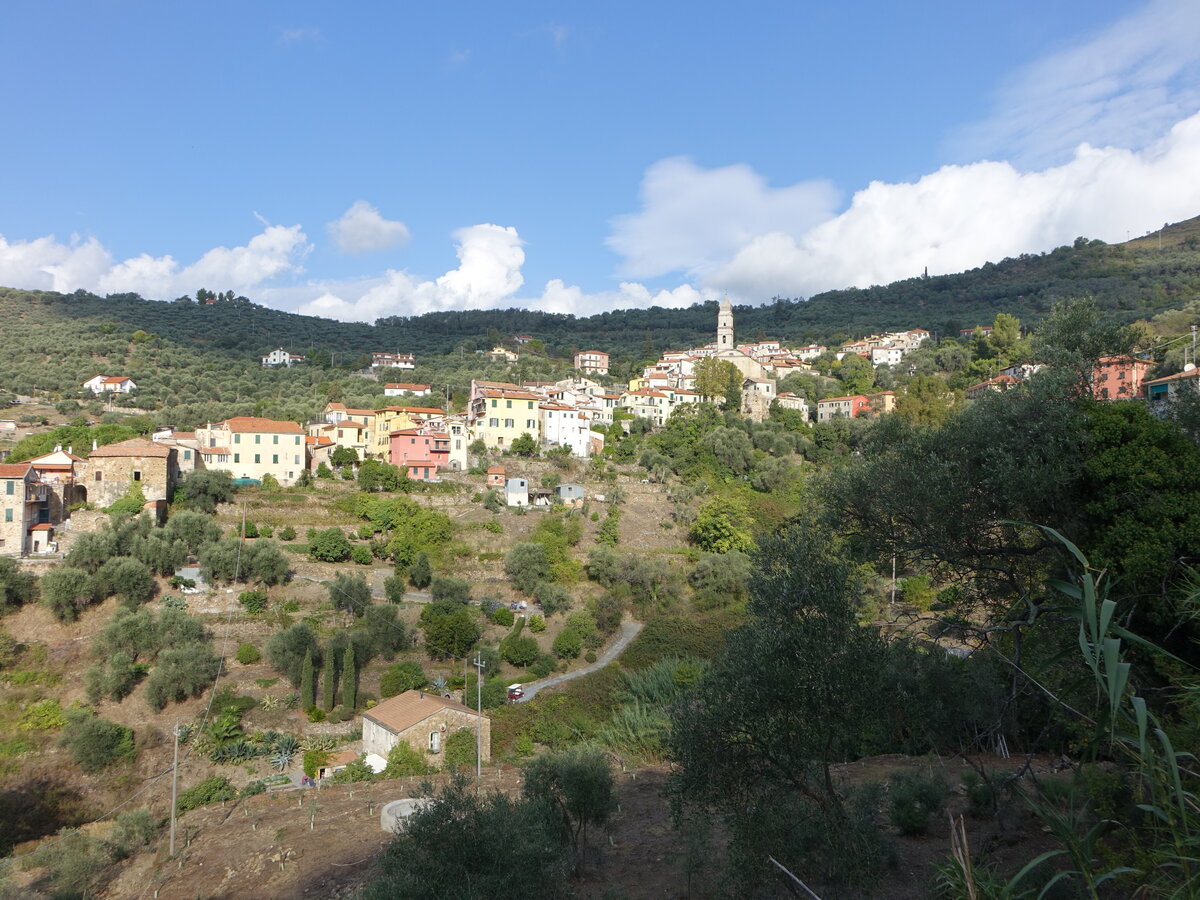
<point x="421" y="720"/>
<point x="22" y="501"/>
<point x="109" y="471"/>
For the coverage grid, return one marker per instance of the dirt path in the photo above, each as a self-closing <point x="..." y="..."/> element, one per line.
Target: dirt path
<point x="629" y="630"/>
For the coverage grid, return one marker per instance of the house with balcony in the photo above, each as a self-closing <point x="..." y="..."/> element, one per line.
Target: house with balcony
<point x="24" y="511"/>
<point x="842" y="407"/>
<point x="1119" y="377"/>
<point x="592" y="362"/>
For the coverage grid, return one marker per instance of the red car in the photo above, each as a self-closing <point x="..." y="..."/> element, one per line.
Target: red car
<point x="515" y="693"/>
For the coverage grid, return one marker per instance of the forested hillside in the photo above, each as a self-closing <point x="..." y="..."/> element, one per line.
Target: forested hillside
<point x="195" y="361"/>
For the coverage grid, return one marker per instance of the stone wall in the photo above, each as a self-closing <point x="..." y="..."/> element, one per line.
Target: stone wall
<point x="116" y="473"/>
<point x="445" y="722"/>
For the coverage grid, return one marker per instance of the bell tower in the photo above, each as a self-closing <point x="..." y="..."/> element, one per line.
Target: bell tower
<point x="725" y="325"/>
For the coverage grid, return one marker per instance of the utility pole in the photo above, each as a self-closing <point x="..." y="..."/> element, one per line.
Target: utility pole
<point x="174" y="785"/>
<point x="478" y="719"/>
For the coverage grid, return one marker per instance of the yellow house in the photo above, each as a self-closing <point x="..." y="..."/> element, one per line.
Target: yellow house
<point x="250" y="447"/>
<point x="499" y="417"/>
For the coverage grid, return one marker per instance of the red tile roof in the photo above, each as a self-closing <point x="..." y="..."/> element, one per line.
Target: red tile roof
<point x="405" y="710"/>
<point x="264" y="426"/>
<point x="133" y="447"/>
<point x="14" y="470"/>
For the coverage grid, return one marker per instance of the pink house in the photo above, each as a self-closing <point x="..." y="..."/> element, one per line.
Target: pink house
<point x="422" y="452"/>
<point x="1119" y="377"/>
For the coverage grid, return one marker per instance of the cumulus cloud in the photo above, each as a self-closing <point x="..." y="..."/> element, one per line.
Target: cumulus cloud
<point x="962" y="216"/>
<point x="692" y="216"/>
<point x="48" y="264"/>
<point x="488" y="275"/>
<point x="361" y="229"/>
<point x="1125" y="85"/>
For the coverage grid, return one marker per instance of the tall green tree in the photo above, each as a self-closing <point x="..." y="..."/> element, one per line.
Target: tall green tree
<point x="308" y="687"/>
<point x="349" y="679"/>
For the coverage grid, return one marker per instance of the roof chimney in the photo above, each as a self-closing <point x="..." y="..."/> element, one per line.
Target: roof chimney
<point x="94" y="444"/>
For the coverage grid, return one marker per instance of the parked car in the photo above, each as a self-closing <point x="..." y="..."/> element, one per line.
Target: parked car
<point x="515" y="693"/>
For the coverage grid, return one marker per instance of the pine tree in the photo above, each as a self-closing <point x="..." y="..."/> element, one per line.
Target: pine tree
<point x="349" y="686"/>
<point x="308" y="682"/>
<point x="327" y="685"/>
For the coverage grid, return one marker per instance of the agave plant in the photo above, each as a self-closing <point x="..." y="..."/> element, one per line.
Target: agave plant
<point x="318" y="742"/>
<point x="440" y="686"/>
<point x="268" y="702"/>
<point x="292" y="700"/>
<point x="285" y="743"/>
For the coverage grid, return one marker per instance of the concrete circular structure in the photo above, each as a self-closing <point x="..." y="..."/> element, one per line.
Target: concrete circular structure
<point x="394" y="815"/>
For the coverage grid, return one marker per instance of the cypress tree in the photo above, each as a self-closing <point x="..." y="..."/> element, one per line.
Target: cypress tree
<point x="327" y="683"/>
<point x="349" y="687"/>
<point x="308" y="682"/>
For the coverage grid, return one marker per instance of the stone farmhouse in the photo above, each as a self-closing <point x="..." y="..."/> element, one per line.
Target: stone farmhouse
<point x="421" y="720"/>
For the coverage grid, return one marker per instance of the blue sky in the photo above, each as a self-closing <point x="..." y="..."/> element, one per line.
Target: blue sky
<point x="382" y="158"/>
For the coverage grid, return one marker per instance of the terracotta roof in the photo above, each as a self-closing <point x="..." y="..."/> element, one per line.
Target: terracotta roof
<point x="42" y="526"/>
<point x="14" y="470"/>
<point x="511" y="395"/>
<point x="423" y="410"/>
<point x="116" y="379"/>
<point x="405" y="710"/>
<point x="359" y="412"/>
<point x="495" y="470"/>
<point x="214" y="451"/>
<point x="133" y="447"/>
<point x="1178" y="376"/>
<point x="831" y="399"/>
<point x="341" y="758"/>
<point x="266" y="426"/>
<point x="404" y="386"/>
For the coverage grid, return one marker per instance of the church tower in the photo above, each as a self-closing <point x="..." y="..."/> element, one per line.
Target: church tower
<point x="725" y="325"/>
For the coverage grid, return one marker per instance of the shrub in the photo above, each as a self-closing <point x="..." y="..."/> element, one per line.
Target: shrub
<point x="95" y="743"/>
<point x="404" y="676"/>
<point x="493" y="526"/>
<point x="394" y="588"/>
<point x="216" y="789"/>
<point x="247" y="654"/>
<point x="66" y="590"/>
<point x="313" y="760"/>
<point x="180" y="673"/>
<point x="543" y="665"/>
<point x="537" y="624"/>
<point x="16" y="587"/>
<point x="287" y="533"/>
<point x="265" y="531"/>
<point x="519" y="650"/>
<point x="502" y="615"/>
<point x="590" y="656"/>
<point x="361" y="555"/>
<point x="258" y="786"/>
<point x="527" y="565"/>
<point x="45" y="715"/>
<point x="552" y="598"/>
<point x="568" y="644"/>
<point x="404" y="761"/>
<point x="444" y="588"/>
<point x="330" y="545"/>
<point x="419" y="573"/>
<point x="459" y="751"/>
<point x="126" y="577"/>
<point x="915" y="799"/>
<point x="254" y="601"/>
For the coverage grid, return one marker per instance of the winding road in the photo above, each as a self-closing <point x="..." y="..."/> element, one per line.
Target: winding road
<point x="629" y="630"/>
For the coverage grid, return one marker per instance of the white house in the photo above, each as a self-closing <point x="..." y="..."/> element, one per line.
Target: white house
<point x="397" y="388"/>
<point x="516" y="492"/>
<point x="393" y="361"/>
<point x="566" y="426"/>
<point x="113" y="384"/>
<point x="788" y="400"/>
<point x="281" y="357"/>
<point x="421" y="720"/>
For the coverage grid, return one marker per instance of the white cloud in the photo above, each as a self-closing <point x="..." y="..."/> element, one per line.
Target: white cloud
<point x="47" y="264"/>
<point x="1125" y="85"/>
<point x="692" y="217"/>
<point x="962" y="216"/>
<point x="361" y="229"/>
<point x="488" y="276"/>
